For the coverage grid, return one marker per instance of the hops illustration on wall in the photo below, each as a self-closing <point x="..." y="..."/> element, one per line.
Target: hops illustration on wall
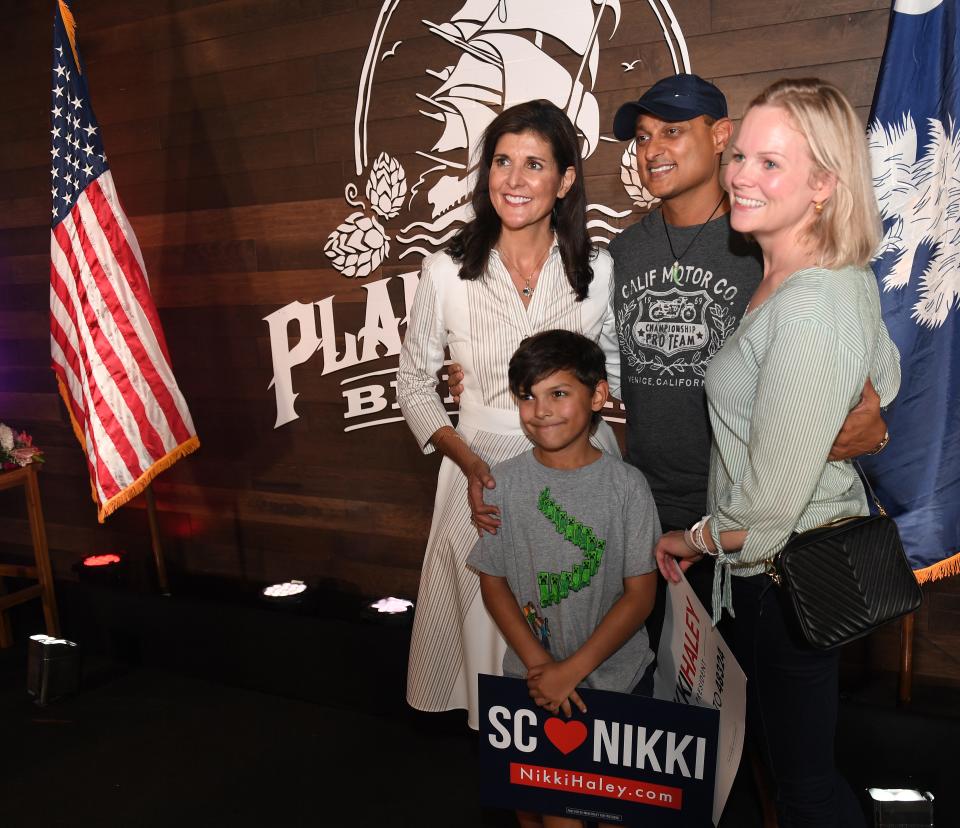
<point x="630" y="178"/>
<point x="484" y="57"/>
<point x="360" y="244"/>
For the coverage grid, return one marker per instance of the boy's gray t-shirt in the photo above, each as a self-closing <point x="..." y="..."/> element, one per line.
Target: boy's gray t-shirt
<point x="669" y="329"/>
<point x="568" y="539"/>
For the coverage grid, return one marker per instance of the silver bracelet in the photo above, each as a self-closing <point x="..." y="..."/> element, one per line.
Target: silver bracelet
<point x="697" y="539"/>
<point x="701" y="526"/>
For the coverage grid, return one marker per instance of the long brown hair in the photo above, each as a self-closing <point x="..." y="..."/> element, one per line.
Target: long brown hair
<point x="471" y="247"/>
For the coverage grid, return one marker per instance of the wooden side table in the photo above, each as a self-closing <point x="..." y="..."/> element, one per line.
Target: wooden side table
<point x="43" y="589"/>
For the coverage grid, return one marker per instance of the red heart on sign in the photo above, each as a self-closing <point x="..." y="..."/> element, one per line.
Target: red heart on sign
<point x="565" y="736"/>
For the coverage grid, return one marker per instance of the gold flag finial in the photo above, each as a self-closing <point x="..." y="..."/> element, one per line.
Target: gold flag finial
<point x="71" y="26"/>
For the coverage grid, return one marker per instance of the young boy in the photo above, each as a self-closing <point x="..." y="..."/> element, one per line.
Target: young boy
<point x="575" y="546"/>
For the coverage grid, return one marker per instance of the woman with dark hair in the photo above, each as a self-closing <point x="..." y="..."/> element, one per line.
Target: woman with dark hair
<point x="524" y="264"/>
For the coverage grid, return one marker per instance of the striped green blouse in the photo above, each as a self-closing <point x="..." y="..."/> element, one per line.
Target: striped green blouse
<point x="778" y="392"/>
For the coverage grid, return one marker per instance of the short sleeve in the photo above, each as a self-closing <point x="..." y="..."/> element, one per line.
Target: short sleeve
<point x="489" y="554"/>
<point x="642" y="528"/>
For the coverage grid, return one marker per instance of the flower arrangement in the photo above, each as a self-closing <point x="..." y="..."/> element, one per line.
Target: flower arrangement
<point x="17" y="450"/>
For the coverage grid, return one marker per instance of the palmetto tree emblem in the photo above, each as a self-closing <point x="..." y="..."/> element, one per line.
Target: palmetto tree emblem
<point x="919" y="201"/>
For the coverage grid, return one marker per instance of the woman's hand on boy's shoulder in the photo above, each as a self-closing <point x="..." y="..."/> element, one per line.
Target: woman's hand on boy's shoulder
<point x="482" y="515"/>
<point x="553" y="686"/>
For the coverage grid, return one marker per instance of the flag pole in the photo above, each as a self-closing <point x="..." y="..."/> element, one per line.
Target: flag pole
<point x="155" y="541"/>
<point x="905" y="683"/>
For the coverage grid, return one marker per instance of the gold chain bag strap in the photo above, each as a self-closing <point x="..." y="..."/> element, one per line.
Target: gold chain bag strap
<point x="845" y="579"/>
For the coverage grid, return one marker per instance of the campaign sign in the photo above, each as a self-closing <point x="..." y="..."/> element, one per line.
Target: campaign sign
<point x="696" y="667"/>
<point x="629" y="760"/>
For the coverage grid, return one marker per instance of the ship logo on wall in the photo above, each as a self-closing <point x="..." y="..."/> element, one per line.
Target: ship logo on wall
<point x="496" y="53"/>
<point x="502" y="61"/>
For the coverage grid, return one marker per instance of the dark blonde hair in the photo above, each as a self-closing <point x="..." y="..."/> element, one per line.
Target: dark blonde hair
<point x="848" y="228"/>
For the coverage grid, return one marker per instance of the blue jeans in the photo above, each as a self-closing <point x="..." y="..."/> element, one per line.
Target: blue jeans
<point x="792" y="705"/>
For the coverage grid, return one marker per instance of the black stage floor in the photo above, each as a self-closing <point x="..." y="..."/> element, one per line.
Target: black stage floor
<point x="211" y="709"/>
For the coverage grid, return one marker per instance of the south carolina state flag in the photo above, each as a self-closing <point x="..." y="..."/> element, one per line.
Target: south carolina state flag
<point x="108" y="350"/>
<point x="915" y="149"/>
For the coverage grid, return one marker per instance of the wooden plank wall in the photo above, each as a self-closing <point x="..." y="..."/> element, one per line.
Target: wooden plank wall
<point x="228" y="126"/>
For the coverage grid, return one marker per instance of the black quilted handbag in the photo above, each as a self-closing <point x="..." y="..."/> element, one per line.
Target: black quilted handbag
<point x="845" y="579"/>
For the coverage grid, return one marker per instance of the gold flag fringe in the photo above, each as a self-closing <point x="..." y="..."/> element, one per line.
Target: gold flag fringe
<point x="188" y="446"/>
<point x="935" y="572"/>
<point x="70" y="24"/>
<point x="78" y="433"/>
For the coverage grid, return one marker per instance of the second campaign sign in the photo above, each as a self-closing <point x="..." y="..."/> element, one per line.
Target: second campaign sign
<point x="629" y="760"/>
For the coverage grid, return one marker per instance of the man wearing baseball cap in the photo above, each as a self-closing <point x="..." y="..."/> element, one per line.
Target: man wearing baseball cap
<point x="683" y="279"/>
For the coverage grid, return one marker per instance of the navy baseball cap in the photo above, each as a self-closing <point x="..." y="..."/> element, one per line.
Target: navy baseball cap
<point x="673" y="98"/>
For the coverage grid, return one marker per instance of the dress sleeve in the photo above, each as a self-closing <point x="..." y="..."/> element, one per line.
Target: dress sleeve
<point x="610" y="344"/>
<point x="805" y="387"/>
<point x="421" y="357"/>
<point x="886" y="375"/>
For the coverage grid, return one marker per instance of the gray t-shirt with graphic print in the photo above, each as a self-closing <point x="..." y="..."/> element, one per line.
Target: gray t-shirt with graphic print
<point x="669" y="328"/>
<point x="567" y="541"/>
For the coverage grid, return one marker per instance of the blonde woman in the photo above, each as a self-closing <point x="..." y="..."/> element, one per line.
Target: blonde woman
<point x="800" y="186"/>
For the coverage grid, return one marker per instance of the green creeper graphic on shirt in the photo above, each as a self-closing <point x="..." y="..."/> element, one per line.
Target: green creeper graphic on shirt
<point x="555" y="586"/>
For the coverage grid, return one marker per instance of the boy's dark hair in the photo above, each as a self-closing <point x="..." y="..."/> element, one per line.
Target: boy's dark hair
<point x="547" y="352"/>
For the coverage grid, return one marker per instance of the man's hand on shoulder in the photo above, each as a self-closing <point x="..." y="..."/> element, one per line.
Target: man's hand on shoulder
<point x="455" y="381"/>
<point x="864" y="431"/>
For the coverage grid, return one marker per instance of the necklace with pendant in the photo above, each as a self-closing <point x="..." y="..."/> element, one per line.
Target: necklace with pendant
<point x="675" y="267"/>
<point x="527" y="289"/>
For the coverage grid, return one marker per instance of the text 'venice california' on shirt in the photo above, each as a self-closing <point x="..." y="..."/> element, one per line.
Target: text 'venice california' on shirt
<point x="568" y="539"/>
<point x="669" y="329"/>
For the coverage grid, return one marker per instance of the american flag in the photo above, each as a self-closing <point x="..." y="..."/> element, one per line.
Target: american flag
<point x="109" y="353"/>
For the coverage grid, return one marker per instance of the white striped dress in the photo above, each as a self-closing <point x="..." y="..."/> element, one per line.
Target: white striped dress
<point x="778" y="391"/>
<point x="482" y="322"/>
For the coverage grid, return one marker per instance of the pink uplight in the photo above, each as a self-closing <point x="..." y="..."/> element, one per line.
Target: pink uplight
<point x="101" y="560"/>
